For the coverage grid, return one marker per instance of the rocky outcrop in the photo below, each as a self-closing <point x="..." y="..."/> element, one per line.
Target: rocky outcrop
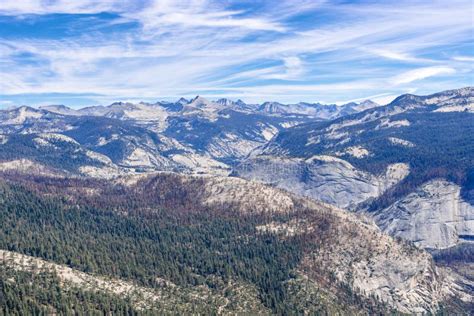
<point x="372" y="263"/>
<point x="434" y="216"/>
<point x="325" y="178"/>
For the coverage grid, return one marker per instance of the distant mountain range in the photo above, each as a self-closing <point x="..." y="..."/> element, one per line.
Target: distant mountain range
<point x="134" y="111"/>
<point x="195" y="135"/>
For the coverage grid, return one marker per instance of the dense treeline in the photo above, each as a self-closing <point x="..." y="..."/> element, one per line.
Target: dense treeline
<point x="142" y="249"/>
<point x="24" y="293"/>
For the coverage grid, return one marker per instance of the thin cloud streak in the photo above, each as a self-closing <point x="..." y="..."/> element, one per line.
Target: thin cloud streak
<point x="422" y="73"/>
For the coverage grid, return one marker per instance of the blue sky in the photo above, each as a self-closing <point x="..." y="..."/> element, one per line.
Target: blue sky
<point x="86" y="52"/>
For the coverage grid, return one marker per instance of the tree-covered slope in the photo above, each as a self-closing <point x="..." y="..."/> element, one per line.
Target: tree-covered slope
<point x="255" y="247"/>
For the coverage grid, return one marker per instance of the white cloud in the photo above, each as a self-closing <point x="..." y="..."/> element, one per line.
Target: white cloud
<point x="196" y="46"/>
<point x="292" y="69"/>
<point x="152" y="15"/>
<point x="464" y="58"/>
<point x="294" y="66"/>
<point x="393" y="55"/>
<point x="422" y="73"/>
<point x="399" y="56"/>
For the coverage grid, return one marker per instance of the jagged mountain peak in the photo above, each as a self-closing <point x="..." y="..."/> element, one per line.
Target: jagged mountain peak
<point x="225" y="102"/>
<point x="369" y="102"/>
<point x="121" y="104"/>
<point x="199" y="102"/>
<point x="172" y="106"/>
<point x="239" y="104"/>
<point x="183" y="101"/>
<point x="366" y="104"/>
<point x="272" y="107"/>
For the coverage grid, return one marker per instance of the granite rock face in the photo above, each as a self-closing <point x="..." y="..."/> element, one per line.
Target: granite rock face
<point x="434" y="216"/>
<point x="325" y="178"/>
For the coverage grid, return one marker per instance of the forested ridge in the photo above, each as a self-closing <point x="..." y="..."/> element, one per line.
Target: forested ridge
<point x="143" y="241"/>
<point x="23" y="293"/>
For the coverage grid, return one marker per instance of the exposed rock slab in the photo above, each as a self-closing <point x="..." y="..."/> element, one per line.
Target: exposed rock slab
<point x="434" y="216"/>
<point x="325" y="178"/>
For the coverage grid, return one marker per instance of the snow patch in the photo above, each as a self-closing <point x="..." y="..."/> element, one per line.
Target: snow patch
<point x="104" y="141"/>
<point x="40" y="142"/>
<point x="313" y="140"/>
<point x="337" y="135"/>
<point x="289" y="124"/>
<point x="346" y="123"/>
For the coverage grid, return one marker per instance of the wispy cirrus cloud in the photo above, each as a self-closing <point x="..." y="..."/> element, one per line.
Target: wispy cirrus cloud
<point x="422" y="73"/>
<point x="309" y="51"/>
<point x="464" y="58"/>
